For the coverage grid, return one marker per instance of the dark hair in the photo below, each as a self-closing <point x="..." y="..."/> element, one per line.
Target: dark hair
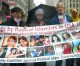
<point x="41" y="36"/>
<point x="78" y="46"/>
<point x="58" y="39"/>
<point x="31" y="38"/>
<point x="17" y="9"/>
<point x="13" y="37"/>
<point x="23" y="38"/>
<point x="13" y="49"/>
<point x="66" y="34"/>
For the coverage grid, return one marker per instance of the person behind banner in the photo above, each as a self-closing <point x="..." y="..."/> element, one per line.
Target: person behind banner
<point x="61" y="17"/>
<point x="67" y="49"/>
<point x="74" y="14"/>
<point x="49" y="50"/>
<point x="39" y="14"/>
<point x="66" y="36"/>
<point x="55" y="38"/>
<point x="16" y="19"/>
<point x="23" y="41"/>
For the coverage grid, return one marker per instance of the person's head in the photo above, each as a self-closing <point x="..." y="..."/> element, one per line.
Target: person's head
<point x="39" y="13"/>
<point x="67" y="45"/>
<point x="60" y="8"/>
<point x="17" y="13"/>
<point x="74" y="13"/>
<point x="13" y="50"/>
<point x="65" y="35"/>
<point x="23" y="41"/>
<point x="12" y="41"/>
<point x="78" y="47"/>
<point x="46" y="40"/>
<point x="55" y="38"/>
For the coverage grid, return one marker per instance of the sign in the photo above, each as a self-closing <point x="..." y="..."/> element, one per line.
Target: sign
<point x="39" y="44"/>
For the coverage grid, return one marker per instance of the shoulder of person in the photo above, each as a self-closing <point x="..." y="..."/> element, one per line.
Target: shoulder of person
<point x="69" y="18"/>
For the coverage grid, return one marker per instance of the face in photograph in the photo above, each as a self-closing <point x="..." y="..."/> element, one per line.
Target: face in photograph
<point x="11" y="42"/>
<point x="46" y="40"/>
<point x="32" y="41"/>
<point x="66" y="36"/>
<point x="55" y="38"/>
<point x="23" y="41"/>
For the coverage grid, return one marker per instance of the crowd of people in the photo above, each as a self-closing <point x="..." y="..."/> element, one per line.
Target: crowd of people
<point x="17" y="16"/>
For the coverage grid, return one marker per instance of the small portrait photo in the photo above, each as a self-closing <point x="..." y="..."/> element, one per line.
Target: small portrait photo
<point x="36" y="40"/>
<point x="49" y="50"/>
<point x="76" y="46"/>
<point x="35" y="52"/>
<point x="3" y="51"/>
<point x="67" y="48"/>
<point x="23" y="41"/>
<point x="16" y="53"/>
<point x="47" y="41"/>
<point x="55" y="38"/>
<point x="76" y="34"/>
<point x="10" y="41"/>
<point x="39" y="40"/>
<point x="66" y="36"/>
<point x="32" y="41"/>
<point x="58" y="49"/>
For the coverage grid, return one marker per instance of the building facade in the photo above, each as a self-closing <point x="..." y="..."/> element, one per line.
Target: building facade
<point x="70" y="4"/>
<point x="51" y="2"/>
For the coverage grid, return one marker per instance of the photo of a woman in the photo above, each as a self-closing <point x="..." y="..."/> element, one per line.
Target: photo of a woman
<point x="15" y="53"/>
<point x="12" y="53"/>
<point x="32" y="41"/>
<point x="55" y="38"/>
<point x="66" y="36"/>
<point x="23" y="41"/>
<point x="11" y="42"/>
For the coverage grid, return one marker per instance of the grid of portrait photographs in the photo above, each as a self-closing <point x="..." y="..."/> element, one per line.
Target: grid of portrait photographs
<point x="22" y="46"/>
